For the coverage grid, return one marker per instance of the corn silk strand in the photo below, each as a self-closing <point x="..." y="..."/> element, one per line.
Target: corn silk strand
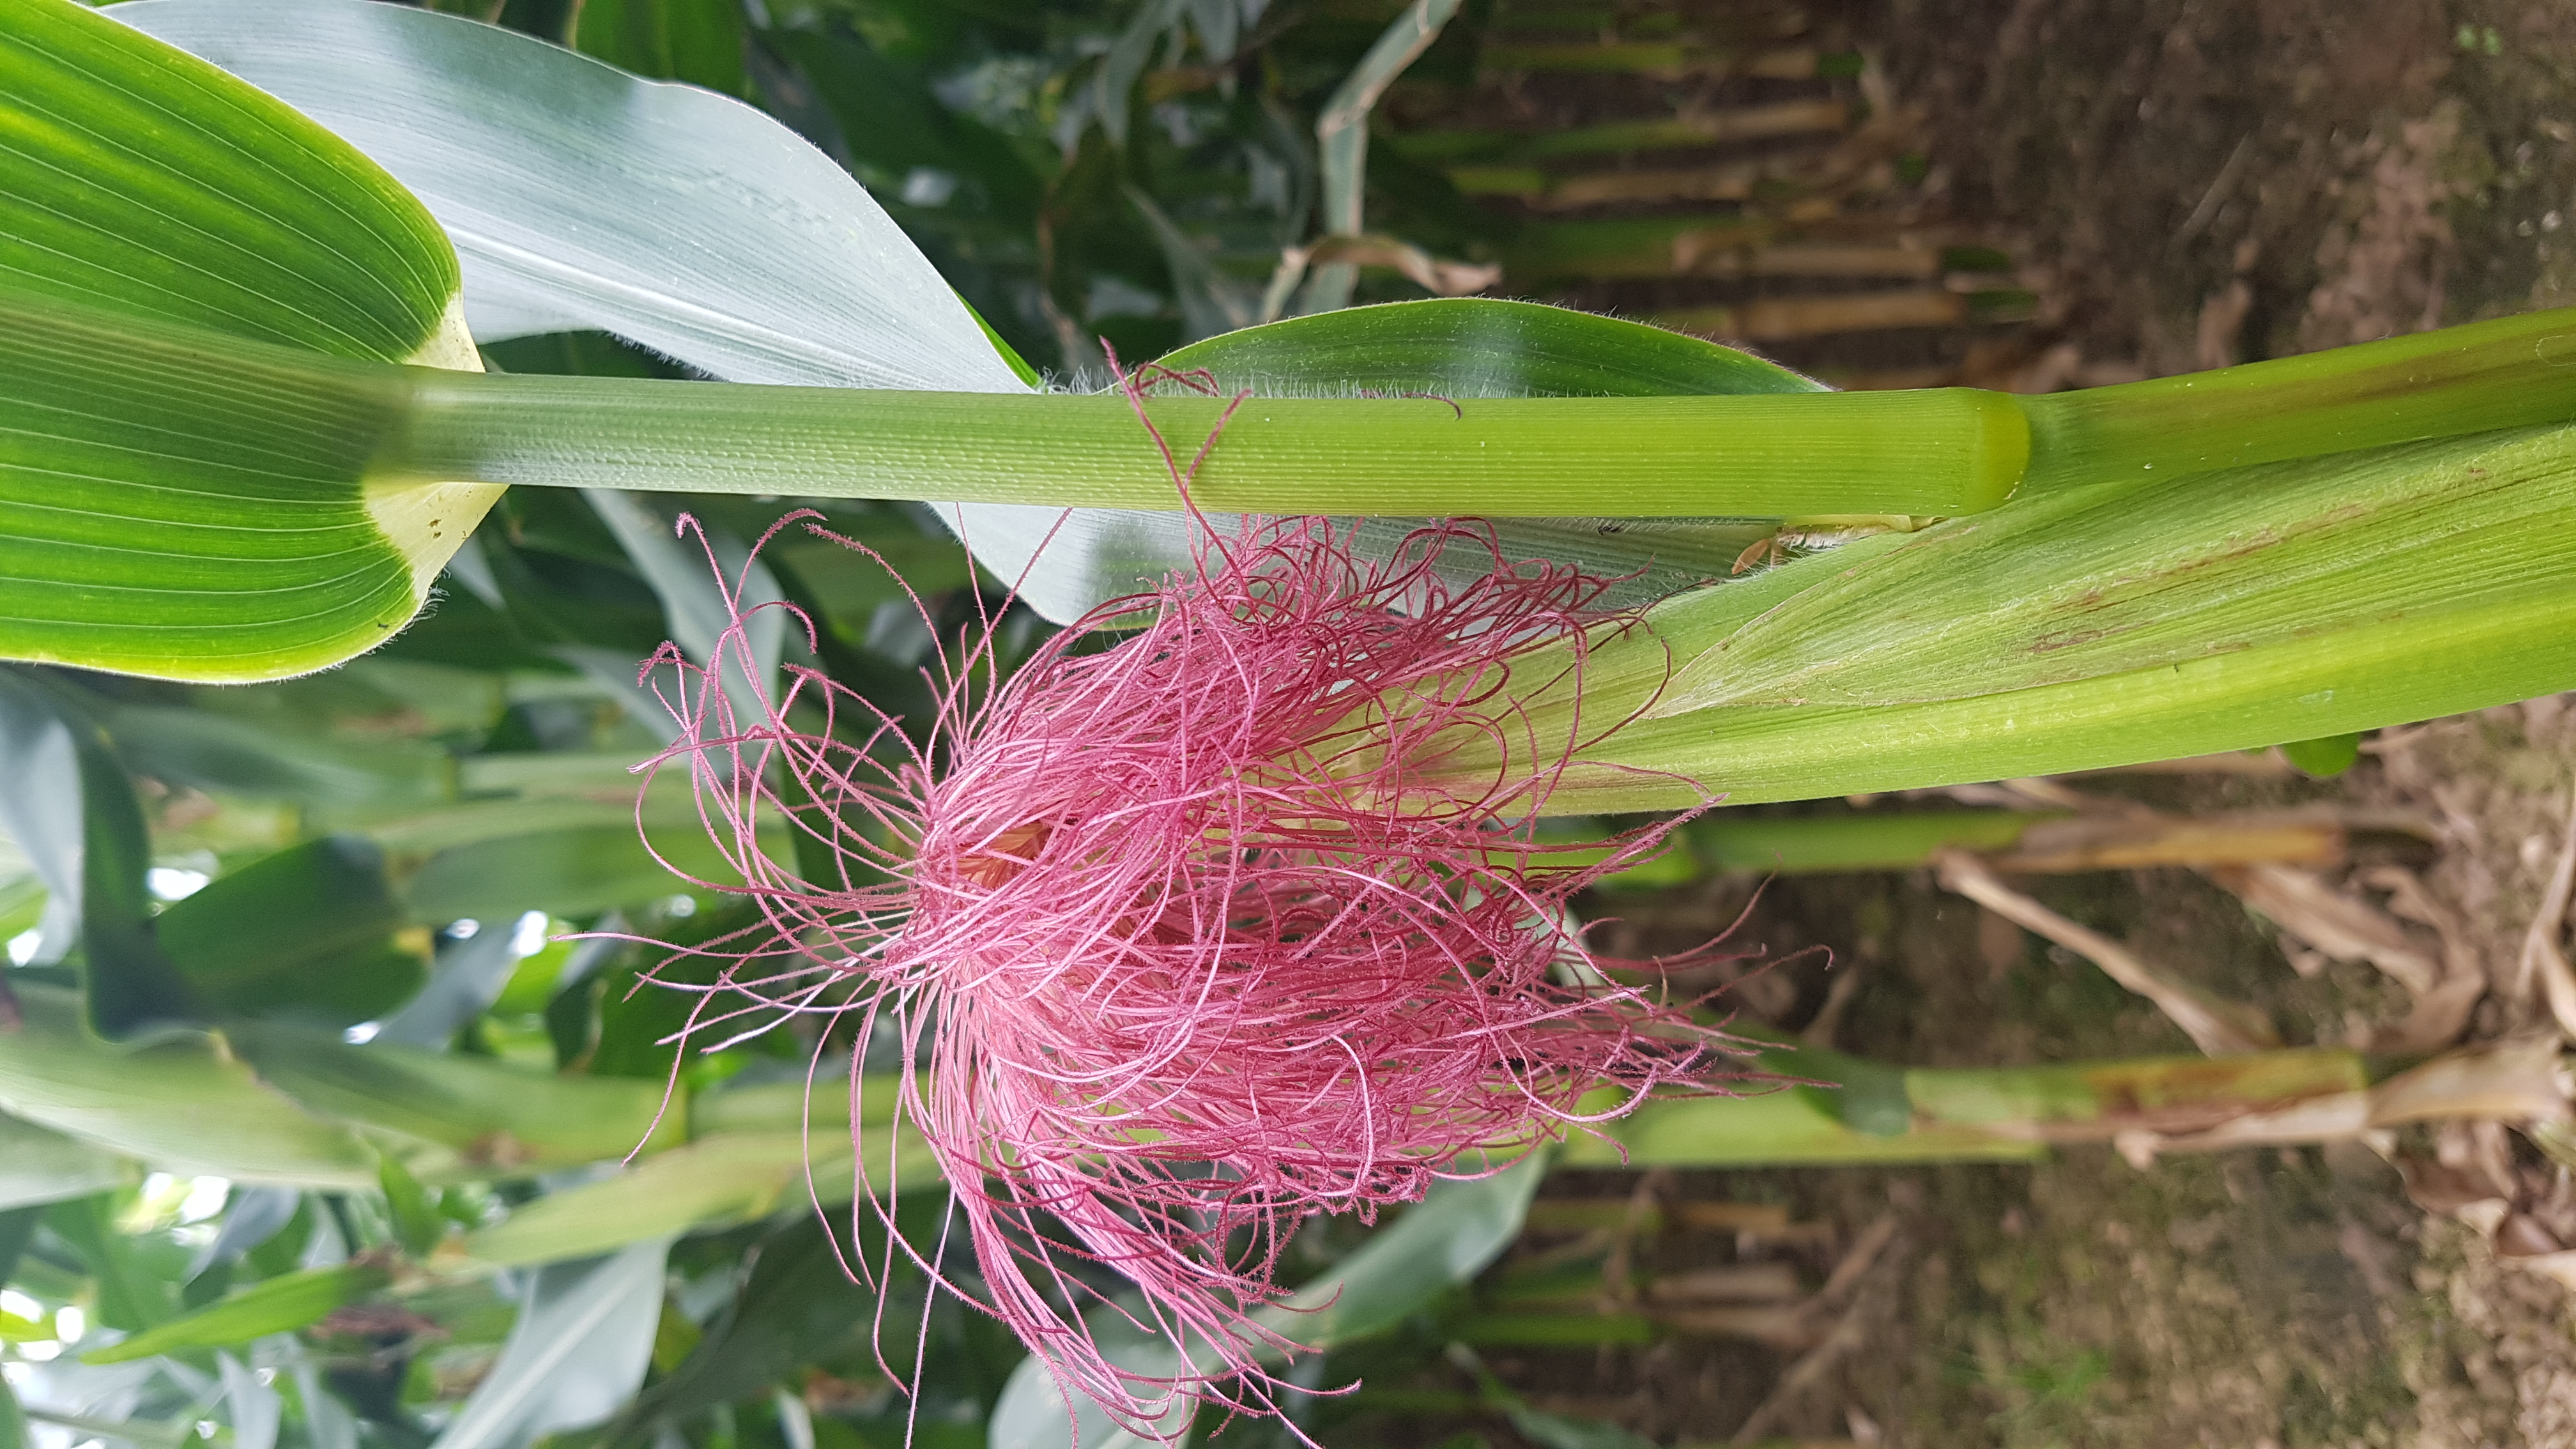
<point x="1189" y="949"/>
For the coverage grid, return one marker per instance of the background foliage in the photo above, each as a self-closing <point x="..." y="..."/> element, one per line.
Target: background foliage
<point x="326" y="915"/>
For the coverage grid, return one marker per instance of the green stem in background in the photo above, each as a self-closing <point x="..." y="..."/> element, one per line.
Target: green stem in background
<point x="1342" y="138"/>
<point x="2041" y="842"/>
<point x="305" y="1109"/>
<point x="1859" y="1111"/>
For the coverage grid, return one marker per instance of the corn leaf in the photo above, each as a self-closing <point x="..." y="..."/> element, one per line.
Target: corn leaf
<point x="718" y="1180"/>
<point x="129" y="982"/>
<point x="698" y="41"/>
<point x="798" y="1303"/>
<point x="41" y="1166"/>
<point x="308" y="933"/>
<point x="2175" y="668"/>
<point x="2076" y="583"/>
<point x="468" y="975"/>
<point x="456" y="1118"/>
<point x="1470" y="347"/>
<point x="579" y="196"/>
<point x="580" y="1347"/>
<point x="1032" y="1412"/>
<point x="13" y="1419"/>
<point x="130" y="1295"/>
<point x="40" y="809"/>
<point x="181" y="1104"/>
<point x="147" y="181"/>
<point x="752" y="1151"/>
<point x="278" y="1305"/>
<point x="1439" y="1244"/>
<point x="1778" y="1127"/>
<point x="256" y="1410"/>
<point x="573" y="871"/>
<point x="278" y="759"/>
<point x="242" y="218"/>
<point x="17" y="1229"/>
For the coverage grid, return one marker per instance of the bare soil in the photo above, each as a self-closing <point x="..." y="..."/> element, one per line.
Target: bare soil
<point x="2185" y="184"/>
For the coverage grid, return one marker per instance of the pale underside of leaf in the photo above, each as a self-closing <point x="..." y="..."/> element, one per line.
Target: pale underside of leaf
<point x="581" y="196"/>
<point x="578" y="1352"/>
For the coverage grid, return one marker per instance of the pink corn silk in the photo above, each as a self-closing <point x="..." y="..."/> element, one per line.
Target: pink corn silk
<point x="1206" y="955"/>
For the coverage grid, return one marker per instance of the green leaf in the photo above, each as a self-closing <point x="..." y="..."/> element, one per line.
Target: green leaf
<point x="751" y="1150"/>
<point x="1010" y="355"/>
<point x="308" y="933"/>
<point x="129" y="1297"/>
<point x="279" y="1305"/>
<point x="418" y="1224"/>
<point x="573" y="871"/>
<point x="1851" y="841"/>
<point x="181" y="1104"/>
<point x="2422" y="600"/>
<point x="698" y="41"/>
<point x="40" y="811"/>
<point x="1437" y="1245"/>
<point x="143" y="179"/>
<point x="42" y="1166"/>
<point x="580" y="196"/>
<point x="277" y="758"/>
<point x="2076" y="583"/>
<point x="17" y="1229"/>
<point x="722" y="1179"/>
<point x="2324" y="758"/>
<point x="13" y="1419"/>
<point x="456" y="1118"/>
<point x="1777" y="1128"/>
<point x="582" y="1342"/>
<point x="199" y="520"/>
<point x="1868" y="1097"/>
<point x="243" y="218"/>
<point x="891" y="122"/>
<point x="130" y="982"/>
<point x="797" y="1303"/>
<point x="130" y="985"/>
<point x="1467" y="347"/>
<point x="1031" y="1413"/>
<point x="1555" y="1431"/>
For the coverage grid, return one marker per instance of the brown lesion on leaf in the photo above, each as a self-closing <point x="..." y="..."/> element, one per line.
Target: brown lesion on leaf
<point x="498" y="1149"/>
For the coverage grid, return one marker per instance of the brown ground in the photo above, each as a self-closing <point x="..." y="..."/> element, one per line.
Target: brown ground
<point x="2274" y="1297"/>
<point x="2186" y="183"/>
<point x="2200" y="183"/>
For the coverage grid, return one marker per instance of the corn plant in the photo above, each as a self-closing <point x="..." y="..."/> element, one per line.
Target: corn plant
<point x="287" y="297"/>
